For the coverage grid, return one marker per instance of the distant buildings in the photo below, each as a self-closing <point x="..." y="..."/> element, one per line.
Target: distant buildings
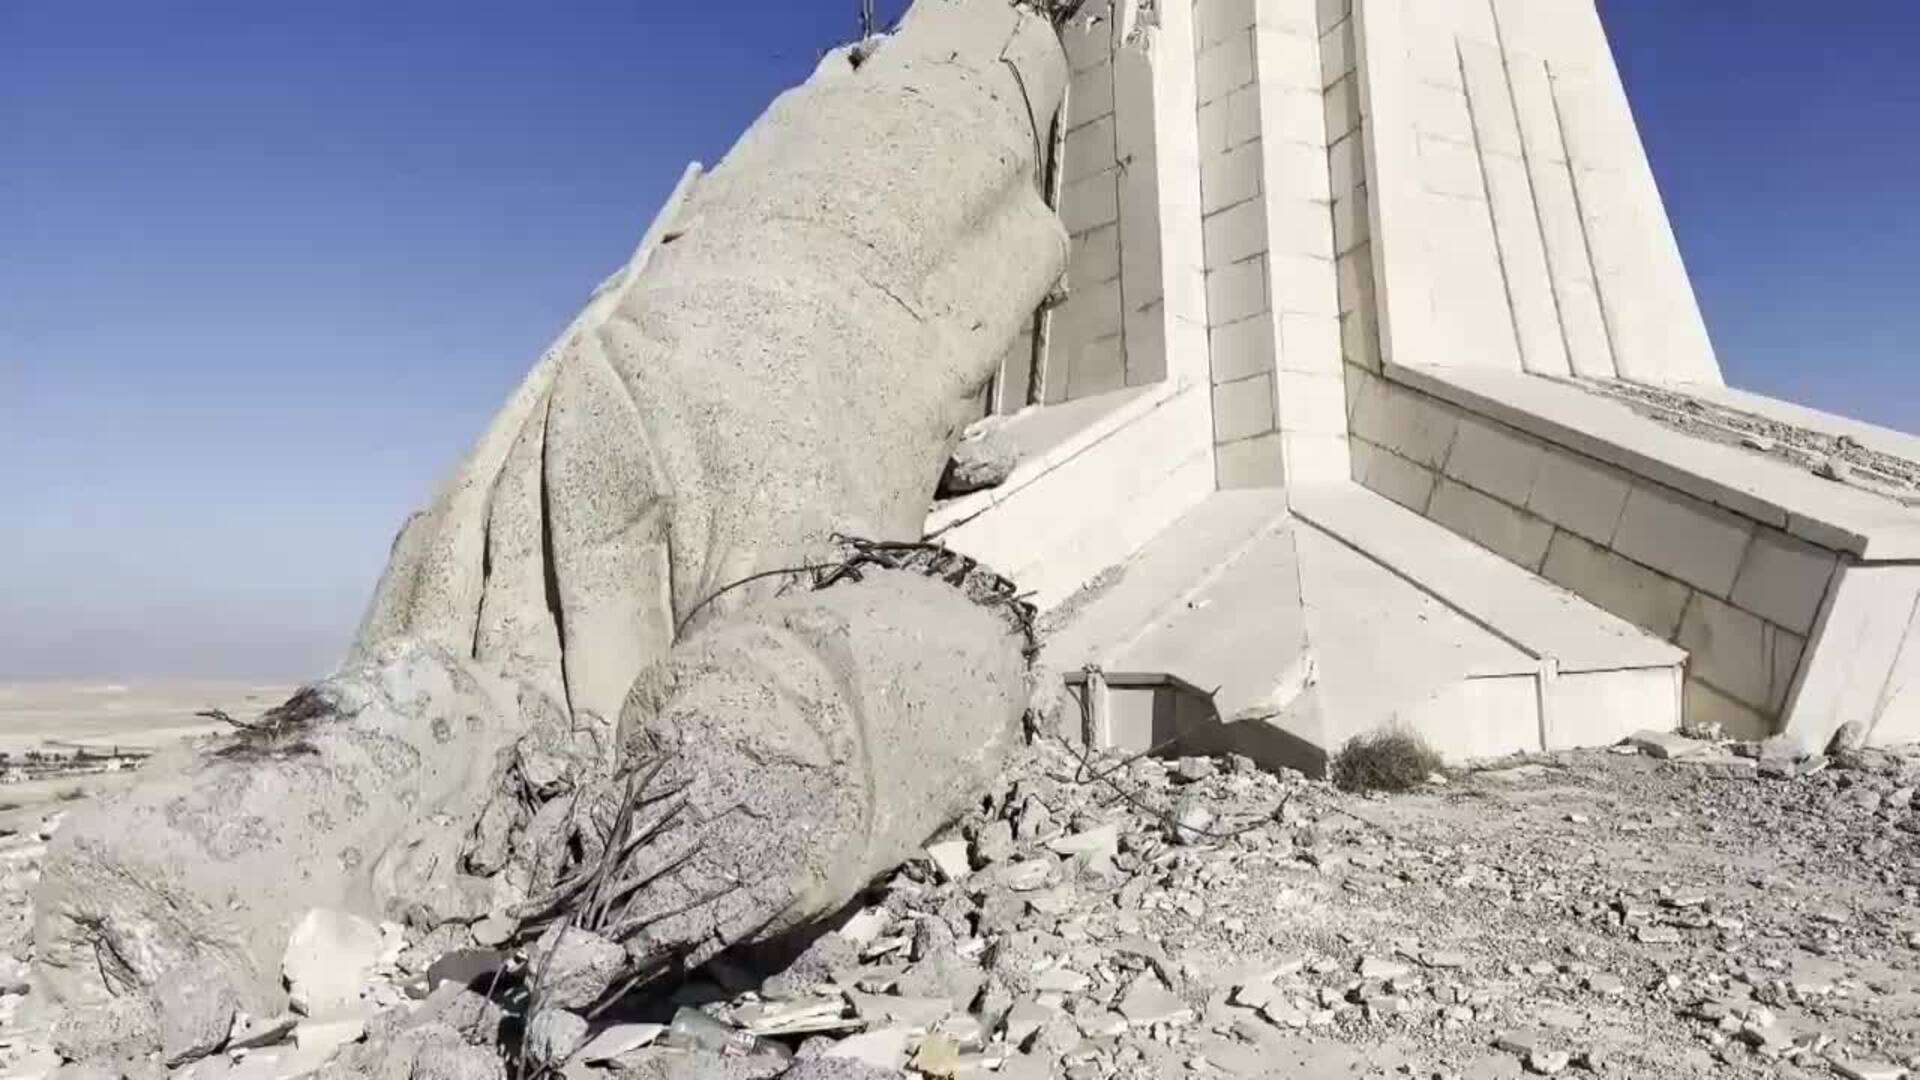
<point x="61" y="763"/>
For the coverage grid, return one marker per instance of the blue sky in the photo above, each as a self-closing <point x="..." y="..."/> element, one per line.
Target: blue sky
<point x="265" y="269"/>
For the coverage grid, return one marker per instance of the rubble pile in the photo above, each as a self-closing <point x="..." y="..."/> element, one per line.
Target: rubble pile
<point x="1840" y="458"/>
<point x="1670" y="908"/>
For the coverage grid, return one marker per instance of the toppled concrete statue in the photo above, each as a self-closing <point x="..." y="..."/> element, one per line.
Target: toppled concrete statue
<point x="610" y="586"/>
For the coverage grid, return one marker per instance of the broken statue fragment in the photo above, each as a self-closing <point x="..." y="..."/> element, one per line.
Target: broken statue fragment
<point x="789" y="358"/>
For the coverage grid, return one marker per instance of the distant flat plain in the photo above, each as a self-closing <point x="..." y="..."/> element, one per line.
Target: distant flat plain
<point x="61" y="716"/>
<point x="101" y="715"/>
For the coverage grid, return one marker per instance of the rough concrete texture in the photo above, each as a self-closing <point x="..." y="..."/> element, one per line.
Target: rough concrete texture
<point x="798" y="360"/>
<point x="211" y="860"/>
<point x="984" y="459"/>
<point x="328" y="959"/>
<point x="822" y="739"/>
<point x="794" y="358"/>
<point x="1602" y="904"/>
<point x="427" y="1052"/>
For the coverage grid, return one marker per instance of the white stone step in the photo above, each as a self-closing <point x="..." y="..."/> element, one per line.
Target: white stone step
<point x="1096" y="625"/>
<point x="1538" y="616"/>
<point x="1282" y="633"/>
<point x="1596" y="678"/>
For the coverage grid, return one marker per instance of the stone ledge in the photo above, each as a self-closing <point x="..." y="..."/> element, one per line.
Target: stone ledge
<point x="1868" y="526"/>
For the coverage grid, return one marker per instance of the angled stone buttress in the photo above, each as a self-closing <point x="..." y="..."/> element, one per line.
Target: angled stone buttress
<point x="1381" y="397"/>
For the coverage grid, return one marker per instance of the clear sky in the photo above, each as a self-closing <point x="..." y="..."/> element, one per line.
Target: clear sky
<point x="266" y="269"/>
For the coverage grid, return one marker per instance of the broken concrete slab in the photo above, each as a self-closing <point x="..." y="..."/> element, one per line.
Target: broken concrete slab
<point x="1669" y="745"/>
<point x="575" y="967"/>
<point x="329" y="956"/>
<point x="886" y="1048"/>
<point x="196" y="1010"/>
<point x="950" y="858"/>
<point x="618" y="1039"/>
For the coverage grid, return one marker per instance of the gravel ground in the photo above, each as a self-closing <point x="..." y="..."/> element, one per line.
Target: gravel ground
<point x="1605" y="913"/>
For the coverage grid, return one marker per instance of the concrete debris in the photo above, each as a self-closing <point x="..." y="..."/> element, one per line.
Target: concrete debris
<point x="1857" y="1071"/>
<point x="196" y="1014"/>
<point x="829" y="1068"/>
<point x="1548" y="1062"/>
<point x="249" y="1033"/>
<point x="1849" y="738"/>
<point x="1102" y="842"/>
<point x="553" y="1035"/>
<point x="576" y="968"/>
<point x="892" y="1010"/>
<point x="616" y="802"/>
<point x="1435" y="930"/>
<point x="15" y="977"/>
<point x="619" y="1039"/>
<point x="328" y="960"/>
<point x="1476" y="931"/>
<point x="994" y="842"/>
<point x="324" y="1035"/>
<point x="1149" y="1003"/>
<point x="951" y="859"/>
<point x="886" y="1048"/>
<point x="982" y="460"/>
<point x="120" y="1027"/>
<point x="1668" y="745"/>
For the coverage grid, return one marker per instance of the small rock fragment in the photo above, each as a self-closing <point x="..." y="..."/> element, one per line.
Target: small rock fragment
<point x="122" y="1027"/>
<point x="993" y="843"/>
<point x="1549" y="1062"/>
<point x="553" y="1035"/>
<point x="890" y="1010"/>
<point x="495" y="929"/>
<point x="1521" y="1043"/>
<point x="248" y="1033"/>
<point x="1380" y="968"/>
<point x="949" y="857"/>
<point x="882" y="1049"/>
<point x="1026" y="876"/>
<point x="1101" y="841"/>
<point x="620" y="1039"/>
<point x="1606" y="985"/>
<point x="573" y="968"/>
<point x="866" y="926"/>
<point x="1667" y="745"/>
<point x="1864" y="1071"/>
<point x="320" y="1036"/>
<point x="197" y="1006"/>
<point x="1191" y="820"/>
<point x="328" y="960"/>
<point x="980" y="462"/>
<point x="1192" y="770"/>
<point x="463" y="967"/>
<point x="1147" y="1002"/>
<point x="1849" y="738"/>
<point x="937" y="1056"/>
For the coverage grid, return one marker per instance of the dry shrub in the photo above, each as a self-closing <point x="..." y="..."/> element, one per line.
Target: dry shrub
<point x="1391" y="761"/>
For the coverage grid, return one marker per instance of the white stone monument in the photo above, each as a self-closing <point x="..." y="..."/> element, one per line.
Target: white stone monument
<point x="1380" y="395"/>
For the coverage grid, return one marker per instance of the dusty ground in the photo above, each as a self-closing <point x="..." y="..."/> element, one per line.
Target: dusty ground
<point x="1597" y="913"/>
